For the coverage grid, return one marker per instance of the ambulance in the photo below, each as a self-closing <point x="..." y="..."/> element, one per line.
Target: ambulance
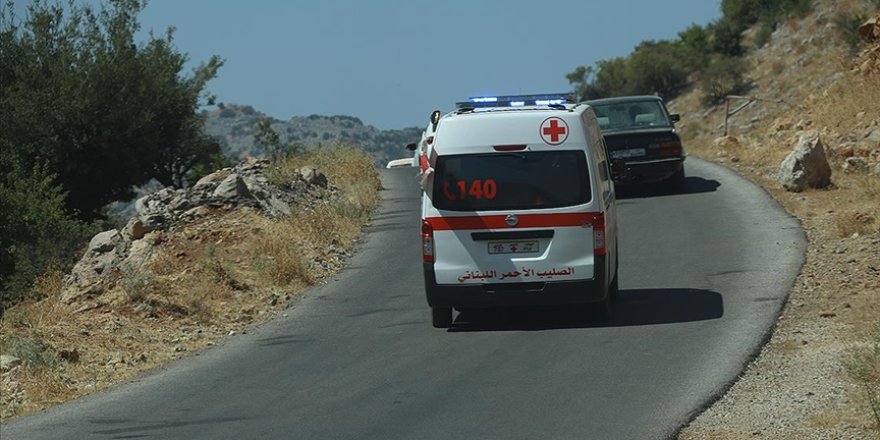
<point x="518" y="208"/>
<point x="422" y="149"/>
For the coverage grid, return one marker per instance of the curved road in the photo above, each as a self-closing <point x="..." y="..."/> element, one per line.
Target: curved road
<point x="703" y="276"/>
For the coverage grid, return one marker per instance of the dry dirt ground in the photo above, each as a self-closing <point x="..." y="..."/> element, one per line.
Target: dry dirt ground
<point x="213" y="278"/>
<point x="819" y="374"/>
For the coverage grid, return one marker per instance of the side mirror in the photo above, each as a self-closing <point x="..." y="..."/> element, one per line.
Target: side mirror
<point x="618" y="169"/>
<point x="675" y="117"/>
<point x="411" y="147"/>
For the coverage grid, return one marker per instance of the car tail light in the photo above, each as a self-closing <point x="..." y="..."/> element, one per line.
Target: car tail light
<point x="599" y="243"/>
<point x="671" y="148"/>
<point x="427" y="242"/>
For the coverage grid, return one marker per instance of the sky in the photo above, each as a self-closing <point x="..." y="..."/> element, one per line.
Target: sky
<point x="391" y="63"/>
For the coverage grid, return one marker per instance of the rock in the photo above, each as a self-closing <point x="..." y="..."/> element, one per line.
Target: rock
<point x="855" y="165"/>
<point x="213" y="178"/>
<point x="870" y="30"/>
<point x="140" y="255"/>
<point x="104" y="241"/>
<point x="8" y="362"/>
<point x="232" y="188"/>
<point x="727" y="142"/>
<point x="198" y="211"/>
<point x="136" y="229"/>
<point x="806" y="166"/>
<point x="312" y="176"/>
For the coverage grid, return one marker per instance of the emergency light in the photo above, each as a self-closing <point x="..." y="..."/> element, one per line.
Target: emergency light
<point x="516" y="100"/>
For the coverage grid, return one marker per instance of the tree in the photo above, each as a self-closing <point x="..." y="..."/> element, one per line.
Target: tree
<point x="659" y="68"/>
<point x="102" y="112"/>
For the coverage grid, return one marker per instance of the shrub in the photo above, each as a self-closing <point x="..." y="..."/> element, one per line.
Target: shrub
<point x="847" y="26"/>
<point x="724" y="76"/>
<point x="863" y="366"/>
<point x="36" y="233"/>
<point x="31" y="351"/>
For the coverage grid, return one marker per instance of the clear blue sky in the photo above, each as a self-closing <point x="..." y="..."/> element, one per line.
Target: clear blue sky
<point x="391" y="63"/>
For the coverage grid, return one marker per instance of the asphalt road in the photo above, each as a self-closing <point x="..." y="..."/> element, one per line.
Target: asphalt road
<point x="703" y="276"/>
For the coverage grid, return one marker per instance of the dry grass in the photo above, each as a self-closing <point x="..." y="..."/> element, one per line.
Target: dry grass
<point x="210" y="277"/>
<point x="863" y="367"/>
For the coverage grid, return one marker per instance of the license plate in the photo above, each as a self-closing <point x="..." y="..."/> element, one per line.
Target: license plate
<point x="513" y="247"/>
<point x="623" y="154"/>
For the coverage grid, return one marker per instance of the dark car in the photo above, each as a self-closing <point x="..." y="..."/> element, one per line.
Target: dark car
<point x="640" y="131"/>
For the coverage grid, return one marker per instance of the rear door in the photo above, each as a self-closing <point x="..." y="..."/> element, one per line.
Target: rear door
<point x="508" y="217"/>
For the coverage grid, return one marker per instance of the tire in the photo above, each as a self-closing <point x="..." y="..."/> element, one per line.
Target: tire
<point x="441" y="317"/>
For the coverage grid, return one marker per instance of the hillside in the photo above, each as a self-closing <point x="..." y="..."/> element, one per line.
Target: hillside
<point x="234" y="127"/>
<point x="818" y="377"/>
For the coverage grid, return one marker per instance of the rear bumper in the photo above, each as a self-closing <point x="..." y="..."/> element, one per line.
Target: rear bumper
<point x="517" y="294"/>
<point x="651" y="170"/>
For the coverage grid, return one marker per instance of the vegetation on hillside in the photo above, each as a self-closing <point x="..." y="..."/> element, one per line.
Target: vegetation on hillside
<point x="87" y="114"/>
<point x="710" y="53"/>
<point x="211" y="277"/>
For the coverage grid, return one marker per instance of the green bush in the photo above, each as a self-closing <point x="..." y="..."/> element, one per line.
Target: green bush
<point x="723" y="77"/>
<point x="847" y="26"/>
<point x="36" y="233"/>
<point x="101" y="111"/>
<point x="31" y="351"/>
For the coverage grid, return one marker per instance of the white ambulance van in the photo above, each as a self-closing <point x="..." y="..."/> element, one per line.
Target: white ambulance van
<point x="518" y="208"/>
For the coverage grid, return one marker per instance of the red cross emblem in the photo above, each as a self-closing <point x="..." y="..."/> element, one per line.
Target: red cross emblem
<point x="554" y="131"/>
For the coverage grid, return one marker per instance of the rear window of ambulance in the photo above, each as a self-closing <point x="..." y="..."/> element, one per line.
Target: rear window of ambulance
<point x="511" y="181"/>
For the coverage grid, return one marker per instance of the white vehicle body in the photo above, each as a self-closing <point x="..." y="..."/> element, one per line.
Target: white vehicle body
<point x="519" y="209"/>
<point x="399" y="163"/>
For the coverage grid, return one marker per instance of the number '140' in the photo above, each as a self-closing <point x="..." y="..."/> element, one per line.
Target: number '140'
<point x="476" y="189"/>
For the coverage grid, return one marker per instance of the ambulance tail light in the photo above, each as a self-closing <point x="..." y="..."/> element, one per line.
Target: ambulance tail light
<point x="599" y="242"/>
<point x="671" y="148"/>
<point x="427" y="242"/>
<point x="430" y="140"/>
<point x="509" y="147"/>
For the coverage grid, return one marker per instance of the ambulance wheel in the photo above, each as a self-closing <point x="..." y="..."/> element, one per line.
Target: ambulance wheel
<point x="441" y="317"/>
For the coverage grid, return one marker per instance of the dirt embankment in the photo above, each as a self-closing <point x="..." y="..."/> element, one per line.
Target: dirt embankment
<point x="819" y="375"/>
<point x="191" y="268"/>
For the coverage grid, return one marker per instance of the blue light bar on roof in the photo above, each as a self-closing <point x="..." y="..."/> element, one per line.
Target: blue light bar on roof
<point x="516" y="100"/>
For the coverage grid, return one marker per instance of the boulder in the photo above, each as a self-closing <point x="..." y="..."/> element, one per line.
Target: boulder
<point x="105" y="250"/>
<point x="806" y="166"/>
<point x="136" y="229"/>
<point x="213" y="178"/>
<point x="104" y="242"/>
<point x="312" y="176"/>
<point x="232" y="189"/>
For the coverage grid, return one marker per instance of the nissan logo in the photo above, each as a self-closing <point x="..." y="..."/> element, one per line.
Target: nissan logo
<point x="511" y="220"/>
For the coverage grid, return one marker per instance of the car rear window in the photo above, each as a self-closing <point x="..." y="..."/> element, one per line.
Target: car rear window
<point x="630" y="115"/>
<point x="511" y="181"/>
